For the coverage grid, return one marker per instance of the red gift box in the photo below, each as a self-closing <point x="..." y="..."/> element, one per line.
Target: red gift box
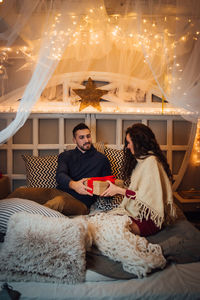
<point x="100" y="184"/>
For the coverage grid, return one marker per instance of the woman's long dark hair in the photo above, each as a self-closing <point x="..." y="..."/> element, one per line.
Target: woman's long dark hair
<point x="145" y="144"/>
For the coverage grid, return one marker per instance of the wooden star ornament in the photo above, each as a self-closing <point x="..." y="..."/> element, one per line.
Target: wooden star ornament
<point x="90" y="95"/>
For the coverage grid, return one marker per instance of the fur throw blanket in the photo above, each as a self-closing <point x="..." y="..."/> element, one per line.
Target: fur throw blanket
<point x="48" y="249"/>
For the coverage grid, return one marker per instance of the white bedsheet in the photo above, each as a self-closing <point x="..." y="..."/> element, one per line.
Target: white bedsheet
<point x="177" y="281"/>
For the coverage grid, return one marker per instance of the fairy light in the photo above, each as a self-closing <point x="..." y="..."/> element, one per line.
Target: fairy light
<point x="123" y="37"/>
<point x="196" y="147"/>
<point x="183" y="38"/>
<point x="89" y="32"/>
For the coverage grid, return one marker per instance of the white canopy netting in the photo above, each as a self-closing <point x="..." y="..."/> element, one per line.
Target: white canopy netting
<point x="157" y="42"/>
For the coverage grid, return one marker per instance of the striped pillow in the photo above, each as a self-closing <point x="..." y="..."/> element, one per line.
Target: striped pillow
<point x="10" y="206"/>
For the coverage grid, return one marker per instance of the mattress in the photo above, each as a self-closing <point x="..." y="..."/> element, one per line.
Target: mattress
<point x="176" y="281"/>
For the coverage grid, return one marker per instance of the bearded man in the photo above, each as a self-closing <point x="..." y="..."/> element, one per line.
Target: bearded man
<point x="75" y="166"/>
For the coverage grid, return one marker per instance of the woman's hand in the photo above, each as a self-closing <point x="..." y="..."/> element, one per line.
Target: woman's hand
<point x="113" y="190"/>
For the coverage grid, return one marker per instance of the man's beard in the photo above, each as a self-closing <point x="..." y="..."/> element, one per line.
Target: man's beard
<point x="86" y="147"/>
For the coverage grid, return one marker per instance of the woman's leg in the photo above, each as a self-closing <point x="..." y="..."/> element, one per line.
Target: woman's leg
<point x="134" y="228"/>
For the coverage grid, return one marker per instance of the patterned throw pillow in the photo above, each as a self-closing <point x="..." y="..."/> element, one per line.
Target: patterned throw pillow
<point x="41" y="170"/>
<point x="116" y="160"/>
<point x="10" y="206"/>
<point x="107" y="203"/>
<point x="100" y="147"/>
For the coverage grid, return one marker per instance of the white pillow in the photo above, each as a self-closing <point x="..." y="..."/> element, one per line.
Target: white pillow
<point x="45" y="249"/>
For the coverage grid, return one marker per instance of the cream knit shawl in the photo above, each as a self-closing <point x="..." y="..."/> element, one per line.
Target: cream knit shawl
<point x="153" y="190"/>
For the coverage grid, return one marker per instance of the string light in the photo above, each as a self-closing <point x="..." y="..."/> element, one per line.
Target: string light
<point x="40" y="107"/>
<point x="117" y="33"/>
<point x="196" y="147"/>
<point x="89" y="32"/>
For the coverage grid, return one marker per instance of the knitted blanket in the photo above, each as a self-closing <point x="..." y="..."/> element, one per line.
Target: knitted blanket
<point x="111" y="235"/>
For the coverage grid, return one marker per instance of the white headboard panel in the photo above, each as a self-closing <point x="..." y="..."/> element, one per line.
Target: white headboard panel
<point x="45" y="134"/>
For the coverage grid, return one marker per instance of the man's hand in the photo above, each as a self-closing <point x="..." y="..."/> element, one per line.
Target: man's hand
<point x="80" y="187"/>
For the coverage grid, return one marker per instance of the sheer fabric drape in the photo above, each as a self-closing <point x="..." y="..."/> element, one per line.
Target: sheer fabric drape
<point x="155" y="42"/>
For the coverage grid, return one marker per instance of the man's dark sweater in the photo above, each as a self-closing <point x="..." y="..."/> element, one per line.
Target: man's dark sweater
<point x="75" y="165"/>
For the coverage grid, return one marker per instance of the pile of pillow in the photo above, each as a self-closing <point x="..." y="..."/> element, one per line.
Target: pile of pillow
<point x="41" y="173"/>
<point x="41" y="187"/>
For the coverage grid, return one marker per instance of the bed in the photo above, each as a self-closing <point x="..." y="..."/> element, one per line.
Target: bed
<point x="100" y="276"/>
<point x="106" y="279"/>
<point x="175" y="282"/>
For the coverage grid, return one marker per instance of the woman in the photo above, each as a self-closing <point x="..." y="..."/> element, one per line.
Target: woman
<point x="148" y="201"/>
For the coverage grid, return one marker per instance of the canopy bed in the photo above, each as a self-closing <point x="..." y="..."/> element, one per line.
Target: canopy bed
<point x="109" y="64"/>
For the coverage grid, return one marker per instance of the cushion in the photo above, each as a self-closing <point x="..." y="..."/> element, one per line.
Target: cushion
<point x="8" y="207"/>
<point x="37" y="248"/>
<point x="67" y="205"/>
<point x="116" y="160"/>
<point x="41" y="170"/>
<point x="71" y="206"/>
<point x="106" y="203"/>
